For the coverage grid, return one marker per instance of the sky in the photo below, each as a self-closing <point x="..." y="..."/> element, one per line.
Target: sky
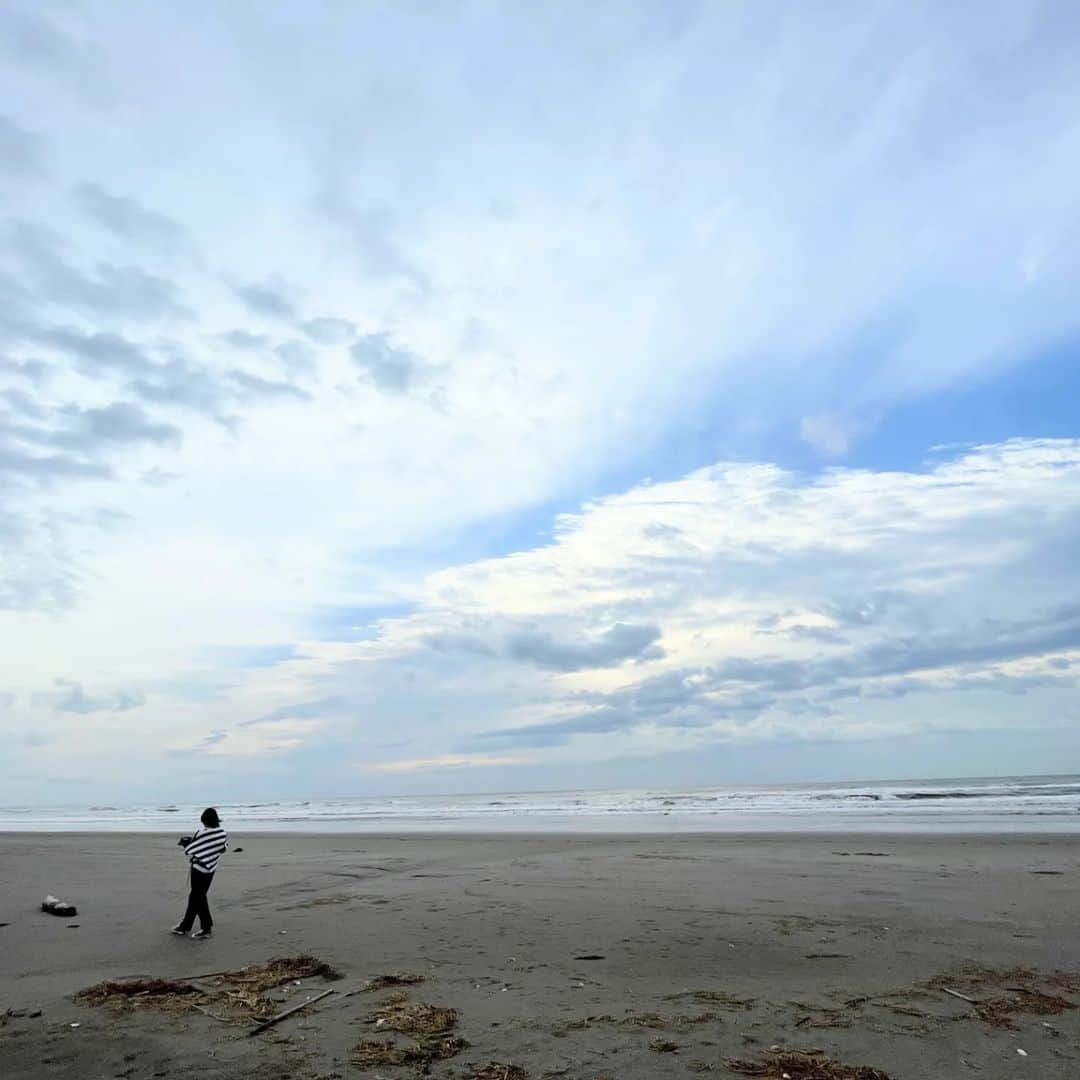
<point x="479" y="396"/>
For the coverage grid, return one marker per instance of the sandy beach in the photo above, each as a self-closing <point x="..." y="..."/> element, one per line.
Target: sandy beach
<point x="565" y="956"/>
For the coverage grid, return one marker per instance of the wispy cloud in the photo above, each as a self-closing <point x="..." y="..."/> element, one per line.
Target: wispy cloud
<point x="268" y="298"/>
<point x="446" y="761"/>
<point x="128" y="218"/>
<point x="72" y="697"/>
<point x="21" y="151"/>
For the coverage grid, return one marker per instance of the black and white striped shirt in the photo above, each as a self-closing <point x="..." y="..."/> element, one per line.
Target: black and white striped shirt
<point x="206" y="848"/>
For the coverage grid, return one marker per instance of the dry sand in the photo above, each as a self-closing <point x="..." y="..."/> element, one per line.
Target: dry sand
<point x="567" y="956"/>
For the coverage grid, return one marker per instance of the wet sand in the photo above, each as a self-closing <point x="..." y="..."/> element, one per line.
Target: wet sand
<point x="569" y="956"/>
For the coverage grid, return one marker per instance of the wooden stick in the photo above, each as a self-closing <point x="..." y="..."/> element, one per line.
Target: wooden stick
<point x="288" y="1012"/>
<point x="957" y="994"/>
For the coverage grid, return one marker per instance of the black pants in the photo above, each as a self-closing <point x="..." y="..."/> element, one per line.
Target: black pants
<point x="197" y="904"/>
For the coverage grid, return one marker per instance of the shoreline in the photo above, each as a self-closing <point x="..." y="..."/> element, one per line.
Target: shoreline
<point x="568" y="834"/>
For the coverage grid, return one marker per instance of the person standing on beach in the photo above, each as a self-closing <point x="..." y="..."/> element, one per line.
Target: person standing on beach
<point x="203" y="850"/>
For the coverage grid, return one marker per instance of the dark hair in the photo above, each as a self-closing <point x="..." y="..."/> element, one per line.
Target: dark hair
<point x="210" y="818"/>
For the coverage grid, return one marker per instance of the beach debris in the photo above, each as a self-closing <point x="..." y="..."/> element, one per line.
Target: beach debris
<point x="646" y="1020"/>
<point x="54" y="906"/>
<point x="720" y="998"/>
<point x="281" y="970"/>
<point x="802" y="1065"/>
<point x="1019" y="983"/>
<point x="957" y="994"/>
<point x="590" y="956"/>
<point x="383" y="982"/>
<point x="226" y="996"/>
<point x="18" y="1014"/>
<point x="371" y="1052"/>
<point x="414" y="1017"/>
<point x="288" y="1012"/>
<point x="112" y="993"/>
<point x="496" y="1070"/>
<point x="829" y="1017"/>
<point x="1022" y="1053"/>
<point x="663" y="1046"/>
<point x="1064" y="980"/>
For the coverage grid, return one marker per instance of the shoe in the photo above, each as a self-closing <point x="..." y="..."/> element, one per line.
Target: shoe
<point x="178" y="931"/>
<point x="201" y="935"/>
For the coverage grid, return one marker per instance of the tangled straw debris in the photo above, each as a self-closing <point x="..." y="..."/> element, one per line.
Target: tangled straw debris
<point x="382" y="982"/>
<point x="1020" y="984"/>
<point x="230" y="996"/>
<point x="279" y="971"/>
<point x="803" y="1065"/>
<point x="496" y="1070"/>
<point x="134" y="992"/>
<point x="371" y="1052"/>
<point x="414" y="1017"/>
<point x="720" y="998"/>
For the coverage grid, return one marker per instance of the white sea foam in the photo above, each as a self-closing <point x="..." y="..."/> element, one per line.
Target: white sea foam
<point x="1007" y="804"/>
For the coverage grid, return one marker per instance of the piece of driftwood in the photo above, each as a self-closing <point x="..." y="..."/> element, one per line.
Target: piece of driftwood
<point x="288" y="1012"/>
<point x="957" y="994"/>
<point x="52" y="905"/>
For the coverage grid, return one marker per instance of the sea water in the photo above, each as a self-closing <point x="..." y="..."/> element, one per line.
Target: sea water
<point x="998" y="804"/>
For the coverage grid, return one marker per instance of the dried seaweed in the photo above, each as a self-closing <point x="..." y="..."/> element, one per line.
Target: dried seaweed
<point x="1001" y="1011"/>
<point x="281" y="970"/>
<point x="802" y="1065"/>
<point x="496" y="1070"/>
<point x="414" y="1017"/>
<point x="1024" y="996"/>
<point x="663" y="1046"/>
<point x="371" y="1052"/>
<point x="720" y="998"/>
<point x="381" y="982"/>
<point x="131" y="993"/>
<point x="645" y="1020"/>
<point x="1069" y="981"/>
<point x="228" y="996"/>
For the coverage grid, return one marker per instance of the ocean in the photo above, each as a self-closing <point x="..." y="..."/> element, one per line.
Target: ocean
<point x="995" y="804"/>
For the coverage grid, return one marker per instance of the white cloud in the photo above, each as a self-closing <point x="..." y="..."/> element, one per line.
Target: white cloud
<point x="827" y="434"/>
<point x="787" y="607"/>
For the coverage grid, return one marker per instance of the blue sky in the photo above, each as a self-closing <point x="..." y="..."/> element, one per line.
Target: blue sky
<point x="511" y="396"/>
